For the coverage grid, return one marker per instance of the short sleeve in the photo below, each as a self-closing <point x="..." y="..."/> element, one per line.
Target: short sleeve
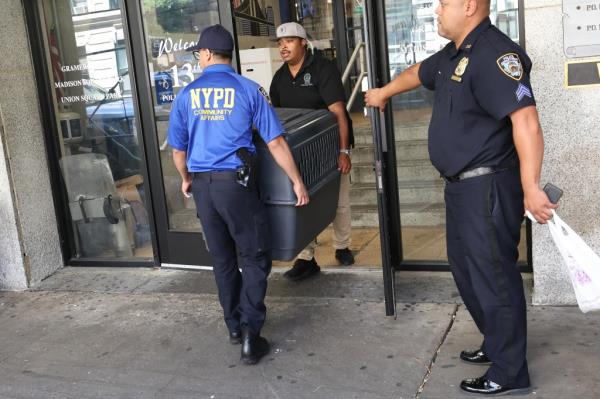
<point x="264" y="117"/>
<point x="428" y="70"/>
<point x="178" y="136"/>
<point x="274" y="91"/>
<point x="502" y="85"/>
<point x="330" y="84"/>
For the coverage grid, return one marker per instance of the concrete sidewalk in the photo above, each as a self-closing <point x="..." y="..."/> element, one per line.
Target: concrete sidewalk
<point x="148" y="333"/>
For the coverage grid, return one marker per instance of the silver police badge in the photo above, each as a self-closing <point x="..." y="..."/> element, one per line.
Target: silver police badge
<point x="510" y="64"/>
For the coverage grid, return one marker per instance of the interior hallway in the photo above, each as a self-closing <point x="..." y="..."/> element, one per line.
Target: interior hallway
<point x="420" y="244"/>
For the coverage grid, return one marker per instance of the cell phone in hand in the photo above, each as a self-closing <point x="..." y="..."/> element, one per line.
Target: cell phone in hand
<point x="554" y="193"/>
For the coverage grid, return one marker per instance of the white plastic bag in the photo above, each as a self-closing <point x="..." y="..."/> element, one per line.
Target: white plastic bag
<point x="582" y="263"/>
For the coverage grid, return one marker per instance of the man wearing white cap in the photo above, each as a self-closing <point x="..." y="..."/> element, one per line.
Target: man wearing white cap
<point x="309" y="81"/>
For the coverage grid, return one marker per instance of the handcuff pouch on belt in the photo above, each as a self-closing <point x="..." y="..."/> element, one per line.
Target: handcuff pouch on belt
<point x="246" y="174"/>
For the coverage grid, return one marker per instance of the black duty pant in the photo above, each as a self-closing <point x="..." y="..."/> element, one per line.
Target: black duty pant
<point x="483" y="221"/>
<point x="235" y="223"/>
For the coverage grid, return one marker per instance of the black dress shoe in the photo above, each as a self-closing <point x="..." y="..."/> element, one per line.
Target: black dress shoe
<point x="475" y="357"/>
<point x="235" y="337"/>
<point x="254" y="347"/>
<point x="302" y="269"/>
<point x="483" y="386"/>
<point x="344" y="256"/>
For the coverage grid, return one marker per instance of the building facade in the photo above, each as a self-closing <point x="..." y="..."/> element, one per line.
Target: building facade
<point x="86" y="177"/>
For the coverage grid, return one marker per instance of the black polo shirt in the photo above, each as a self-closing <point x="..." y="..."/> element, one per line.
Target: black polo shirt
<point x="317" y="85"/>
<point x="476" y="88"/>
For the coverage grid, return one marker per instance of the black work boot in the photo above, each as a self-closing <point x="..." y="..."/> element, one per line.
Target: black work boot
<point x="302" y="269"/>
<point x="254" y="347"/>
<point x="344" y="256"/>
<point x="235" y="337"/>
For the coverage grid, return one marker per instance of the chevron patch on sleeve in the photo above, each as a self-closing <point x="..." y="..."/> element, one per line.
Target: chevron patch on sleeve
<point x="522" y="91"/>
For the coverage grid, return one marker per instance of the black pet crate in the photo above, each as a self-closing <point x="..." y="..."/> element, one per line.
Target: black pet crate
<point x="313" y="138"/>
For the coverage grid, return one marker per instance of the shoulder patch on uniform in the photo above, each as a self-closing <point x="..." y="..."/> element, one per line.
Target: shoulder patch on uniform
<point x="511" y="65"/>
<point x="265" y="94"/>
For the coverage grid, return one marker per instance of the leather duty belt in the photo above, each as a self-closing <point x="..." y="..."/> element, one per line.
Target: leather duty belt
<point x="216" y="175"/>
<point x="481" y="171"/>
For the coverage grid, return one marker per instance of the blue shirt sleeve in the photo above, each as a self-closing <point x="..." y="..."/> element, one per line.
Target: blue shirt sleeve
<point x="264" y="117"/>
<point x="178" y="136"/>
<point x="502" y="85"/>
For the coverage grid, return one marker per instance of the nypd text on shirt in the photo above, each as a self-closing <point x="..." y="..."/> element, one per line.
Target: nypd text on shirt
<point x="212" y="103"/>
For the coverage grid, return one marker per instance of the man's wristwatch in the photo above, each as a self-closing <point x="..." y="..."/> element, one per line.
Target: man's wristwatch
<point x="345" y="151"/>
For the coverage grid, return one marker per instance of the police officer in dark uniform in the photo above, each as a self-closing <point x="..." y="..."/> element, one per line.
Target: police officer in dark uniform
<point x="210" y="130"/>
<point x="486" y="141"/>
<point x="309" y="81"/>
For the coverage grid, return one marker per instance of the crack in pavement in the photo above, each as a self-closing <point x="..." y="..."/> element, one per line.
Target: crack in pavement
<point x="435" y="354"/>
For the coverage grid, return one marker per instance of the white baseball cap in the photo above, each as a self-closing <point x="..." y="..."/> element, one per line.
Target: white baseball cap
<point x="291" y="29"/>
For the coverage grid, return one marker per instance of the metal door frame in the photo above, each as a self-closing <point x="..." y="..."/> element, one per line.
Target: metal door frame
<point x="384" y="154"/>
<point x="385" y="162"/>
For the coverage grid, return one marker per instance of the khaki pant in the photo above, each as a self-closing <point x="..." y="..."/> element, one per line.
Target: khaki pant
<point x="342" y="224"/>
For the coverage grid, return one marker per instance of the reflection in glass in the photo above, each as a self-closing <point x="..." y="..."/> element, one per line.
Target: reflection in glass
<point x="412" y="37"/>
<point x="505" y="15"/>
<point x="170" y="28"/>
<point x="256" y="38"/>
<point x="256" y="24"/>
<point x="317" y="18"/>
<point x="99" y="146"/>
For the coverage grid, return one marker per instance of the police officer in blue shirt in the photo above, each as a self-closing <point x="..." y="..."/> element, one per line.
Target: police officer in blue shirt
<point x="486" y="141"/>
<point x="210" y="130"/>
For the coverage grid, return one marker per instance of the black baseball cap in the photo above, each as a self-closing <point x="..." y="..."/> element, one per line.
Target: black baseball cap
<point x="215" y="37"/>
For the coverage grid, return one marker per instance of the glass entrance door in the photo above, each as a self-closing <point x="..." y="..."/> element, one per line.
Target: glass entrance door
<point x="412" y="37"/>
<point x="96" y="140"/>
<point x="165" y="30"/>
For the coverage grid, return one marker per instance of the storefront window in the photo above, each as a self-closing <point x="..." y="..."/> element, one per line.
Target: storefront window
<point x="170" y="27"/>
<point x="100" y="155"/>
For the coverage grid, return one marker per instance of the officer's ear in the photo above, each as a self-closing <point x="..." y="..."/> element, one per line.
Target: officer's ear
<point x="472" y="6"/>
